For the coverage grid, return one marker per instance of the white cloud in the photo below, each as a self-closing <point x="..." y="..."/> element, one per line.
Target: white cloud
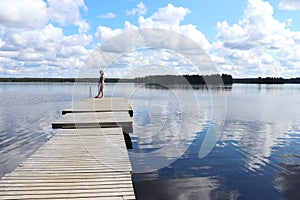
<point x="289" y="5"/>
<point x="146" y="62"/>
<point x="83" y="26"/>
<point x="44" y="49"/>
<point x="37" y="13"/>
<point x="139" y="10"/>
<point x="257" y="28"/>
<point x="32" y="38"/>
<point x="66" y="12"/>
<point x="21" y="14"/>
<point x="74" y="40"/>
<point x="170" y="18"/>
<point x="108" y="15"/>
<point x="104" y="33"/>
<point x="254" y="46"/>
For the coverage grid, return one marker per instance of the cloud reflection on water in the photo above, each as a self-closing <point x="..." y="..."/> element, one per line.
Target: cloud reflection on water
<point x="165" y="125"/>
<point x="260" y="126"/>
<point x="178" y="189"/>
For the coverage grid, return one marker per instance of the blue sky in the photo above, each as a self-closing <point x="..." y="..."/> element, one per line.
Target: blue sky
<point x="54" y="38"/>
<point x="203" y="14"/>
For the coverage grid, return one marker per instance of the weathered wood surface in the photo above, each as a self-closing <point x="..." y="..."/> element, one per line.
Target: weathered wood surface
<point x="74" y="164"/>
<point x="95" y="120"/>
<point x="100" y="105"/>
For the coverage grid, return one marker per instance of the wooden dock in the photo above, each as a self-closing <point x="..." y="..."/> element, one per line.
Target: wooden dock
<point x="106" y="105"/>
<point x="95" y="120"/>
<point x="89" y="162"/>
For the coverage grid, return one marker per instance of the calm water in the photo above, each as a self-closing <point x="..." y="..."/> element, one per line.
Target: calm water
<point x="257" y="154"/>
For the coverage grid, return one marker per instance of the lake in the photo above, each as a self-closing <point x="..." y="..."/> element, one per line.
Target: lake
<point x="254" y="154"/>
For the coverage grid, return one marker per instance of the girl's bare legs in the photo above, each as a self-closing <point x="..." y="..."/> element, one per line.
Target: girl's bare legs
<point x="101" y="91"/>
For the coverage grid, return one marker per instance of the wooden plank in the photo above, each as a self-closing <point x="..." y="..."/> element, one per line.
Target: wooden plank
<point x="94" y="164"/>
<point x="89" y="162"/>
<point x="70" y="195"/>
<point x="100" y="105"/>
<point x="82" y="198"/>
<point x="95" y="120"/>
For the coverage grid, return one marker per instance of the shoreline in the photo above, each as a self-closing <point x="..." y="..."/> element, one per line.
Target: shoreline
<point x="117" y="80"/>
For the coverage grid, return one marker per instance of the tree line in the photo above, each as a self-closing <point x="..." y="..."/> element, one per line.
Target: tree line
<point x="170" y="79"/>
<point x="187" y="79"/>
<point x="57" y="80"/>
<point x="267" y="80"/>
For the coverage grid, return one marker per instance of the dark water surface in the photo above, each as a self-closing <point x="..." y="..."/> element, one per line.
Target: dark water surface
<point x="257" y="155"/>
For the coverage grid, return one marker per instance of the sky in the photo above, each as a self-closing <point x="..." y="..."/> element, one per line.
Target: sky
<point x="55" y="38"/>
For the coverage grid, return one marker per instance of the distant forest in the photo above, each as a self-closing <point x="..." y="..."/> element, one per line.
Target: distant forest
<point x="163" y="79"/>
<point x="170" y="79"/>
<point x="187" y="79"/>
<point x="57" y="79"/>
<point x="267" y="80"/>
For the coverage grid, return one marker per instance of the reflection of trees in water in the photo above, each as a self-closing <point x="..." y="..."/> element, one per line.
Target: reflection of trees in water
<point x="200" y="87"/>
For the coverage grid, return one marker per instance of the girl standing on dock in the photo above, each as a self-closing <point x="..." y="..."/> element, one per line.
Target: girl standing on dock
<point x="101" y="85"/>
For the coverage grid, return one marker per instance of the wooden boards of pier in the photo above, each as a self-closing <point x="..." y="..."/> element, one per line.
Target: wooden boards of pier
<point x="84" y="163"/>
<point x="100" y="105"/>
<point x="95" y="120"/>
